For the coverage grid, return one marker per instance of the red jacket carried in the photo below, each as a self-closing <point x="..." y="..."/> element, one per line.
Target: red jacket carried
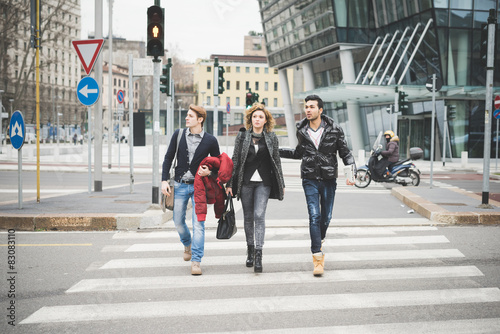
<point x="208" y="190"/>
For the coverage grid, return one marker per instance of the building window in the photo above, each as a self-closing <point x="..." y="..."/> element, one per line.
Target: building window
<point x="266" y="86"/>
<point x="114" y="81"/>
<point x="247" y="69"/>
<point x="266" y="70"/>
<point x="237" y="69"/>
<point x="275" y="86"/>
<point x="228" y="69"/>
<point x="237" y="85"/>
<point x="275" y="102"/>
<point x="247" y="85"/>
<point x="228" y="85"/>
<point x="265" y="101"/>
<point x="228" y="100"/>
<point x="209" y="68"/>
<point x="237" y="101"/>
<point x="275" y="71"/>
<point x="256" y="70"/>
<point x="208" y="100"/>
<point x="209" y="84"/>
<point x="256" y="85"/>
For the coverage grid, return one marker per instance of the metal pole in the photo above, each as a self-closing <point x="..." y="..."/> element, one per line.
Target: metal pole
<point x="228" y="117"/>
<point x="131" y="118"/>
<point x="496" y="151"/>
<point x="180" y="112"/>
<point x="445" y="126"/>
<point x="98" y="105"/>
<point x="433" y="123"/>
<point x="156" y="129"/>
<point x="1" y="121"/>
<point x="216" y="116"/>
<point x="488" y="107"/>
<point x="110" y="85"/>
<point x="89" y="146"/>
<point x="37" y="139"/>
<point x="19" y="178"/>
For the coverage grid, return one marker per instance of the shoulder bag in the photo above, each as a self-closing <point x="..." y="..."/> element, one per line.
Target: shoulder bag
<point x="167" y="202"/>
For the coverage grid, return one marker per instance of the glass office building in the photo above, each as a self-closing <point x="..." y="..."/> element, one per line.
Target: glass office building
<point x="390" y="44"/>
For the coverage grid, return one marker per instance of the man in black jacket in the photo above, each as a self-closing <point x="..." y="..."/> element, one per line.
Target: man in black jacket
<point x="319" y="140"/>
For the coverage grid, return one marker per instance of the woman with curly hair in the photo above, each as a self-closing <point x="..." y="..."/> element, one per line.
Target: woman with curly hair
<point x="257" y="176"/>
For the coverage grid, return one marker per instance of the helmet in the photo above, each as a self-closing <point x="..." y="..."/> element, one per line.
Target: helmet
<point x="389" y="132"/>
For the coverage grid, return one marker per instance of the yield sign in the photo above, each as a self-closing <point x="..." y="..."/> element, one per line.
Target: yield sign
<point x="88" y="51"/>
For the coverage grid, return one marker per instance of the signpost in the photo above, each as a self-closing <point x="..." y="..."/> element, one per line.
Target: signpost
<point x="228" y="118"/>
<point x="433" y="85"/>
<point x="120" y="96"/>
<point x="496" y="114"/>
<point x="17" y="132"/>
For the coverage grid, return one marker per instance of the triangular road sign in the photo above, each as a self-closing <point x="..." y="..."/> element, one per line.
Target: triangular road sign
<point x="88" y="51"/>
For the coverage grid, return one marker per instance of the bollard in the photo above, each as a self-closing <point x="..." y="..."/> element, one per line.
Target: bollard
<point x="465" y="157"/>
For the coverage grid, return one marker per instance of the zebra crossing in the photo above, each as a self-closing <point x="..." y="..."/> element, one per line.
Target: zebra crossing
<point x="409" y="274"/>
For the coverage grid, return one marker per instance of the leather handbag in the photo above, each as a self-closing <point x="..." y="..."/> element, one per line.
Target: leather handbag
<point x="227" y="223"/>
<point x="167" y="202"/>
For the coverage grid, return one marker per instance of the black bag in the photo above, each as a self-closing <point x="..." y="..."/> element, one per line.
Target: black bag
<point x="227" y="223"/>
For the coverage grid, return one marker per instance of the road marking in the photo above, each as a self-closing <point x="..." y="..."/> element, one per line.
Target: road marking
<point x="465" y="326"/>
<point x="47" y="245"/>
<point x="421" y="254"/>
<point x="225" y="245"/>
<point x="219" y="307"/>
<point x="166" y="282"/>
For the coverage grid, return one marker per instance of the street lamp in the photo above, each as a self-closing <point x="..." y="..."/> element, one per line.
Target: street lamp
<point x="179" y="103"/>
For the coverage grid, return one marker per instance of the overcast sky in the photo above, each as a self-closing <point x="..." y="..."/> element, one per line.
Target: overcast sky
<point x="196" y="28"/>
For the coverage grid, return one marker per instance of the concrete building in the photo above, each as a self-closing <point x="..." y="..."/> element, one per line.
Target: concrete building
<point x="242" y="73"/>
<point x="356" y="54"/>
<point x="59" y="64"/>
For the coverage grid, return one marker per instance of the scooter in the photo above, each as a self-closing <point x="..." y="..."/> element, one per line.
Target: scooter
<point x="403" y="172"/>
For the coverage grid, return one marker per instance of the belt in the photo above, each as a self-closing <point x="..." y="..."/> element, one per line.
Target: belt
<point x="187" y="181"/>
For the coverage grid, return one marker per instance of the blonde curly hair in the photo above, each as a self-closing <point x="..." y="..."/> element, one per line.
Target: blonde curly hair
<point x="269" y="126"/>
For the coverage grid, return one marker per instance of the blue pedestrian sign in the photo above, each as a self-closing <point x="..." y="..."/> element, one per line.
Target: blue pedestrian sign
<point x="87" y="91"/>
<point x="17" y="130"/>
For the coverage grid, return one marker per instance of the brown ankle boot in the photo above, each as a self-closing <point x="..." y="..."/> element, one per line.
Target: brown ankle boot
<point x="319" y="264"/>
<point x="187" y="253"/>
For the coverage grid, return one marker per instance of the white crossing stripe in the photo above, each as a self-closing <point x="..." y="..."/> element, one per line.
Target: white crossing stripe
<point x="390" y="230"/>
<point x="429" y="239"/>
<point x="218" y="307"/>
<point x="166" y="282"/>
<point x="230" y="260"/>
<point x="465" y="326"/>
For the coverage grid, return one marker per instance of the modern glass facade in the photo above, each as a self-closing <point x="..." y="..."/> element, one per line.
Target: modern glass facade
<point x="315" y="31"/>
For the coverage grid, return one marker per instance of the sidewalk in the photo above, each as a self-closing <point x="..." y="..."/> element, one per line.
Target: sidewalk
<point x="117" y="208"/>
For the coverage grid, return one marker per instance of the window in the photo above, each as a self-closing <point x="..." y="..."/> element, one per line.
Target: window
<point x="208" y="100"/>
<point x="228" y="85"/>
<point x="237" y="101"/>
<point x="275" y="86"/>
<point x="237" y="69"/>
<point x="208" y="84"/>
<point x="247" y="69"/>
<point x="209" y="68"/>
<point x="237" y="85"/>
<point x="228" y="69"/>
<point x="256" y="85"/>
<point x="266" y="70"/>
<point x="275" y="71"/>
<point x="247" y="85"/>
<point x="265" y="101"/>
<point x="256" y="70"/>
<point x="266" y="86"/>
<point x="275" y="102"/>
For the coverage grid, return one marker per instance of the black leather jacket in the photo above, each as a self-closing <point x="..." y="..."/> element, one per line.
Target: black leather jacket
<point x="321" y="163"/>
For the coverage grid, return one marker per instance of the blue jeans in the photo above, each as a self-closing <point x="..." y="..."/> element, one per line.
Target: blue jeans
<point x="181" y="197"/>
<point x="254" y="197"/>
<point x="319" y="196"/>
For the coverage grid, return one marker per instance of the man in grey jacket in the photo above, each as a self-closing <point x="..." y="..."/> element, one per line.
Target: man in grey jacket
<point x="319" y="140"/>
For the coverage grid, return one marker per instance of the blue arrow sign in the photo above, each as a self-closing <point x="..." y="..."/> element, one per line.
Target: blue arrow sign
<point x="87" y="91"/>
<point x="496" y="114"/>
<point x="17" y="130"/>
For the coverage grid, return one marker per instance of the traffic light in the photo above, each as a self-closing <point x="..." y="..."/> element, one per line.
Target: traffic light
<point x="402" y="103"/>
<point x="452" y="112"/>
<point x="249" y="99"/>
<point x="156" y="20"/>
<point x="483" y="54"/>
<point x="255" y="98"/>
<point x="165" y="78"/>
<point x="220" y="80"/>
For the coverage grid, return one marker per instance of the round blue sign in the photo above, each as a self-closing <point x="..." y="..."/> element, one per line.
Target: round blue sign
<point x="17" y="130"/>
<point x="496" y="114"/>
<point x="87" y="91"/>
<point x="120" y="96"/>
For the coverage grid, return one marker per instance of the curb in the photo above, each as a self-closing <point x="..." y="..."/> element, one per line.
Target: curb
<point x="439" y="214"/>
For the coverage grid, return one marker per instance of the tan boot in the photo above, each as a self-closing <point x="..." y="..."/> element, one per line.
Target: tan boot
<point x="195" y="268"/>
<point x="187" y="253"/>
<point x="319" y="264"/>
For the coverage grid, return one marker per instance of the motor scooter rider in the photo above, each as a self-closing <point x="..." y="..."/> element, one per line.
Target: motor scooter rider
<point x="391" y="153"/>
